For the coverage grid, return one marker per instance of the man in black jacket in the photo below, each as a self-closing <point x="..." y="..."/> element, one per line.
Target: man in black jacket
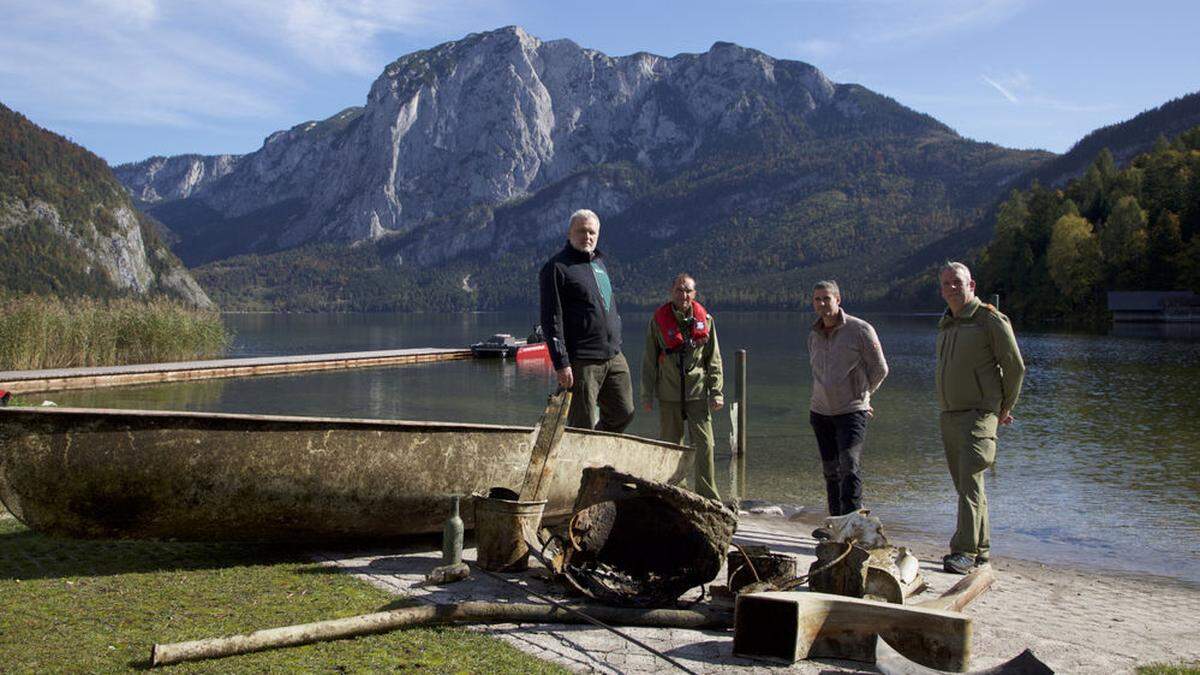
<point x="583" y="329"/>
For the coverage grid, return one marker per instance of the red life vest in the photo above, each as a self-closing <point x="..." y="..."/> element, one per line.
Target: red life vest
<point x="669" y="327"/>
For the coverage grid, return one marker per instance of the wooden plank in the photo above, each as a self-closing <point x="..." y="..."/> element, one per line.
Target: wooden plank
<point x="962" y="593"/>
<point x="540" y="473"/>
<point x="788" y="626"/>
<point x="28" y="382"/>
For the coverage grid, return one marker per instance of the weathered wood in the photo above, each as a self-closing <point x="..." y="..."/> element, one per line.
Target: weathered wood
<point x="962" y="593"/>
<point x="891" y="662"/>
<point x="64" y="379"/>
<point x="461" y="613"/>
<point x="788" y="626"/>
<point x="223" y="477"/>
<point x="540" y="473"/>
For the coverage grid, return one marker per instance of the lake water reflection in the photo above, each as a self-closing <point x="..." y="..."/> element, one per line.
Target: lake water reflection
<point x="1101" y="468"/>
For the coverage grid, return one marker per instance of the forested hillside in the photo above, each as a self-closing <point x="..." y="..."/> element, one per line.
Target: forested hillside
<point x="67" y="228"/>
<point x="1056" y="252"/>
<point x="1123" y="141"/>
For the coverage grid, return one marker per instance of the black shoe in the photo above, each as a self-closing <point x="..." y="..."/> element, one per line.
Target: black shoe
<point x="958" y="563"/>
<point x="982" y="562"/>
<point x="822" y="534"/>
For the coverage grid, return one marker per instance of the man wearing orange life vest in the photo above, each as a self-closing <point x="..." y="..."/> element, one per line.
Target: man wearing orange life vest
<point x="681" y="367"/>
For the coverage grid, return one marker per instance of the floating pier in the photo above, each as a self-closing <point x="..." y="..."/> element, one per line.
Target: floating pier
<point x="62" y="379"/>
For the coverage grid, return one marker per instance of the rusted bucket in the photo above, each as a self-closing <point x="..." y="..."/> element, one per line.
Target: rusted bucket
<point x="502" y="526"/>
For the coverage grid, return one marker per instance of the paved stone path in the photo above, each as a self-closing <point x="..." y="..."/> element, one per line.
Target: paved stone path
<point x="1078" y="622"/>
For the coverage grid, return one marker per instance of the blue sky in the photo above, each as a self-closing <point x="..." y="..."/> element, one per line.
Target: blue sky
<point x="133" y="78"/>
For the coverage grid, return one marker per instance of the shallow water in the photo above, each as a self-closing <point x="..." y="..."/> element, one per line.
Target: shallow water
<point x="1102" y="466"/>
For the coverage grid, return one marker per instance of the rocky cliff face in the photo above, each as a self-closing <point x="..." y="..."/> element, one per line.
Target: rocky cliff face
<point x="470" y="156"/>
<point x="159" y="178"/>
<point x="485" y="120"/>
<point x="67" y="227"/>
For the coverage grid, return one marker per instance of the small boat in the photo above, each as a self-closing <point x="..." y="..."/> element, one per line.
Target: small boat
<point x="138" y="474"/>
<point x="504" y="345"/>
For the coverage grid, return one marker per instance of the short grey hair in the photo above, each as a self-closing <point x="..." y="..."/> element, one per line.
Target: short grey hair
<point x="584" y="214"/>
<point x="680" y="277"/>
<point x="958" y="268"/>
<point x="828" y="285"/>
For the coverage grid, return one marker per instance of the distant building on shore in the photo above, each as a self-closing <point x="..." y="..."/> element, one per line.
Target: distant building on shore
<point x="1154" y="306"/>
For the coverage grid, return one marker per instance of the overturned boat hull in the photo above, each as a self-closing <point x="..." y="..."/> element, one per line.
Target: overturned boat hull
<point x="223" y="477"/>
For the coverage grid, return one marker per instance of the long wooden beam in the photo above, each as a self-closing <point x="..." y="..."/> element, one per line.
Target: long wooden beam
<point x="62" y="379"/>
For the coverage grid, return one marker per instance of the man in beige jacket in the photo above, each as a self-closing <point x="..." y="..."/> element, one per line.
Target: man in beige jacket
<point x="847" y="367"/>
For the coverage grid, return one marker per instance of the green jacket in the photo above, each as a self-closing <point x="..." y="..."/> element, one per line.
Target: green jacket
<point x="702" y="367"/>
<point x="979" y="365"/>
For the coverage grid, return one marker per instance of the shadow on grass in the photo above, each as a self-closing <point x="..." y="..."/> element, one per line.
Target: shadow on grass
<point x="25" y="554"/>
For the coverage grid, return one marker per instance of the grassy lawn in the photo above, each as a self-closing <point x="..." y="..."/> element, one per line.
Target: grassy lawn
<point x="84" y="606"/>
<point x="1170" y="669"/>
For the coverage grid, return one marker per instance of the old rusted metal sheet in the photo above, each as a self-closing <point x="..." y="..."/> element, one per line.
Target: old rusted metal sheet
<point x="642" y="543"/>
<point x="224" y="477"/>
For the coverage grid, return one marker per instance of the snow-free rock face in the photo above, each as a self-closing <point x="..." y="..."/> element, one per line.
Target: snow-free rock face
<point x="68" y="228"/>
<point x="163" y="178"/>
<point x="481" y="122"/>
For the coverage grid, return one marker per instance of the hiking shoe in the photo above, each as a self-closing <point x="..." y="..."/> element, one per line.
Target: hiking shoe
<point x="822" y="534"/>
<point x="958" y="563"/>
<point x="982" y="562"/>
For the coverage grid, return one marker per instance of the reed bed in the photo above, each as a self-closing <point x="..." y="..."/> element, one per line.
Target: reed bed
<point x="45" y="332"/>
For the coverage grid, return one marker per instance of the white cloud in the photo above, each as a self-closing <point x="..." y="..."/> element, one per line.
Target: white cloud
<point x="922" y="20"/>
<point x="817" y="49"/>
<point x="1000" y="88"/>
<point x="183" y="64"/>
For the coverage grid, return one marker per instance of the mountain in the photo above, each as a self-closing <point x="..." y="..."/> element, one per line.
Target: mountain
<point x="68" y="227"/>
<point x="457" y="177"/>
<point x="1124" y="140"/>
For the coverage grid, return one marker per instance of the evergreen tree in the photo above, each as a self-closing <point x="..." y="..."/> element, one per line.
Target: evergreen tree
<point x="1163" y="252"/>
<point x="1123" y="244"/>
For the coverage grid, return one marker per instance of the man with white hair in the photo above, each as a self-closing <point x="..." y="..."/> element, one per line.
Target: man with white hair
<point x="979" y="374"/>
<point x="583" y="329"/>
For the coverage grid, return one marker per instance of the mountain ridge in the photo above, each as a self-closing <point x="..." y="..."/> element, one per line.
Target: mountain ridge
<point x="479" y="148"/>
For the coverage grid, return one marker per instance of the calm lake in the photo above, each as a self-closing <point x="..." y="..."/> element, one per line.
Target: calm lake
<point x="1101" y="467"/>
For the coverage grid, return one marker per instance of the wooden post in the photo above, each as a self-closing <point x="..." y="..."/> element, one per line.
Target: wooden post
<point x="740" y="376"/>
<point x="996" y="300"/>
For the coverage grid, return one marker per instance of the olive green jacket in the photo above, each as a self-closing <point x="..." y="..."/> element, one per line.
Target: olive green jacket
<point x="979" y="365"/>
<point x="703" y="378"/>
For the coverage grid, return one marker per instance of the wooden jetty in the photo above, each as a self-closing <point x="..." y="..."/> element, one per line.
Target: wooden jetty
<point x="62" y="379"/>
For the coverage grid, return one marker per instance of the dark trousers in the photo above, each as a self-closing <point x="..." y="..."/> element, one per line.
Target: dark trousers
<point x="840" y="439"/>
<point x="604" y="387"/>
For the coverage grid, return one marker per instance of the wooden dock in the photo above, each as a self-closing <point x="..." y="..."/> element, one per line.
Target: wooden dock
<point x="62" y="379"/>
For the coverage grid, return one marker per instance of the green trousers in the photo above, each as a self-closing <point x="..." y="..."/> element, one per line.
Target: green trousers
<point x="969" y="438"/>
<point x="699" y="428"/>
<point x="603" y="386"/>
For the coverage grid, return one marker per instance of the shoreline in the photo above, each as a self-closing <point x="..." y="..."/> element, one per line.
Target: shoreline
<point x="925" y="544"/>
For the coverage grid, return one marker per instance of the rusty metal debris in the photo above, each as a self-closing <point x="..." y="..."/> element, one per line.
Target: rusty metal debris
<point x="638" y="543"/>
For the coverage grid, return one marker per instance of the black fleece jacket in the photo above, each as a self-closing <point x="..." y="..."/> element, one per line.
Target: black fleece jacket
<point x="576" y="324"/>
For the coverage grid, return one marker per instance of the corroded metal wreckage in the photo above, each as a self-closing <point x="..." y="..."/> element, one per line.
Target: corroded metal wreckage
<point x="223" y="477"/>
<point x="641" y="543"/>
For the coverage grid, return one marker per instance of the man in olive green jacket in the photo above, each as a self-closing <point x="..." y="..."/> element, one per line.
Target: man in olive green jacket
<point x="979" y="374"/>
<point x="681" y="367"/>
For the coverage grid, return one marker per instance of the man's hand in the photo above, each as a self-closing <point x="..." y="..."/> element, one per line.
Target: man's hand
<point x="566" y="379"/>
<point x="716" y="403"/>
<point x="648" y="405"/>
<point x="870" y="413"/>
<point x="1006" y="417"/>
